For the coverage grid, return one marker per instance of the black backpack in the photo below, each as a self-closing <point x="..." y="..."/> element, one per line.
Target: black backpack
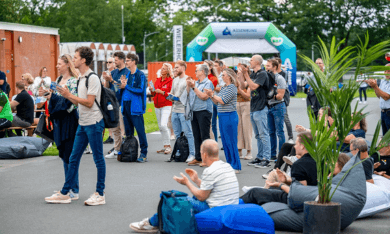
<point x="180" y="150"/>
<point x="272" y="86"/>
<point x="110" y="113"/>
<point x="129" y="150"/>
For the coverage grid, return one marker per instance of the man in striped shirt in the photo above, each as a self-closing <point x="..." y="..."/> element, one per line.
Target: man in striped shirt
<point x="218" y="186"/>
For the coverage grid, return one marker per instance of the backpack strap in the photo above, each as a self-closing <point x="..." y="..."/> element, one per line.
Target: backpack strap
<point x="86" y="85"/>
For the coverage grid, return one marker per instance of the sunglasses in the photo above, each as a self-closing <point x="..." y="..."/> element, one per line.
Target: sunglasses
<point x="109" y="62"/>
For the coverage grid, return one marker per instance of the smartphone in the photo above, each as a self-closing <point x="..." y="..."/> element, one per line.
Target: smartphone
<point x="152" y="86"/>
<point x="53" y="86"/>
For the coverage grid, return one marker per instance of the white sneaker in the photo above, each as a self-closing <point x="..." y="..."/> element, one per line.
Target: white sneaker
<point x="73" y="196"/>
<point x="360" y="102"/>
<point x="143" y="226"/>
<point x="95" y="200"/>
<point x="364" y="102"/>
<point x="291" y="141"/>
<point x="58" y="198"/>
<point x="114" y="154"/>
<point x="290" y="160"/>
<point x="88" y="150"/>
<point x="190" y="158"/>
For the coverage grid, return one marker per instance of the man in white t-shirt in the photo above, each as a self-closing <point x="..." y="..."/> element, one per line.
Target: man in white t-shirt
<point x="90" y="129"/>
<point x="218" y="186"/>
<point x="179" y="123"/>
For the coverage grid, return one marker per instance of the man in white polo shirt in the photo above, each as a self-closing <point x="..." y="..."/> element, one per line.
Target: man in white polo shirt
<point x="218" y="186"/>
<point x="90" y="129"/>
<point x="383" y="93"/>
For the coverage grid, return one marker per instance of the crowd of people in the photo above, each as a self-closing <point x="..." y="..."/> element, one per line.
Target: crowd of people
<point x="237" y="101"/>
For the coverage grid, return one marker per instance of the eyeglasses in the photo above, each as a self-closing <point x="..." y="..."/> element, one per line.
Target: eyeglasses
<point x="109" y="62"/>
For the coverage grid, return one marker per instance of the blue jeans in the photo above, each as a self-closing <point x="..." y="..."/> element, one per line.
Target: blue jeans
<point x="275" y="125"/>
<point x="179" y="125"/>
<point x="214" y="122"/>
<point x="260" y="127"/>
<point x="228" y="125"/>
<point x="91" y="134"/>
<point x="75" y="186"/>
<point x="198" y="206"/>
<point x="385" y="118"/>
<point x="137" y="122"/>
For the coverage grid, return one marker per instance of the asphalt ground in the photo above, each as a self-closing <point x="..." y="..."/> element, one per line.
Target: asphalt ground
<point x="132" y="189"/>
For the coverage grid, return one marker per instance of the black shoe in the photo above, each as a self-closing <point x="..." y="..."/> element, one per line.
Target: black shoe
<point x="108" y="141"/>
<point x="273" y="158"/>
<point x="263" y="164"/>
<point x="254" y="162"/>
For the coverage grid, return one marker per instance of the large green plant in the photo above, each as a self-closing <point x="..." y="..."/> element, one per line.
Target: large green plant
<point x="337" y="63"/>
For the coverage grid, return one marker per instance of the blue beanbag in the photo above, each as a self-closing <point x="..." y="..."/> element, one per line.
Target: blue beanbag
<point x="245" y="218"/>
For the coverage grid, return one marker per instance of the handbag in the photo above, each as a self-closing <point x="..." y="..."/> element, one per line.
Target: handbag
<point x="45" y="126"/>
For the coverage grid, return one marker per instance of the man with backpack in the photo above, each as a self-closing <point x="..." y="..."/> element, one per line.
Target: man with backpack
<point x="218" y="187"/>
<point x="91" y="126"/>
<point x="259" y="84"/>
<point x="134" y="103"/>
<point x="113" y="82"/>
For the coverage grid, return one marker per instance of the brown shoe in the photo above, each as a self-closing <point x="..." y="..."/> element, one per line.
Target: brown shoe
<point x="194" y="163"/>
<point x="203" y="164"/>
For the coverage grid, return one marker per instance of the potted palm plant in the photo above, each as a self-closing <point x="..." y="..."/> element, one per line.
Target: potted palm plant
<point x="323" y="148"/>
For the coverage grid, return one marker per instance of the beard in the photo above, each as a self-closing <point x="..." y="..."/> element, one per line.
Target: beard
<point x="179" y="73"/>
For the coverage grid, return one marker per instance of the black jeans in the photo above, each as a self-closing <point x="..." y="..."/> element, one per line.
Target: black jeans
<point x="4" y="124"/>
<point x="364" y="92"/>
<point x="261" y="196"/>
<point x="200" y="123"/>
<point x="287" y="149"/>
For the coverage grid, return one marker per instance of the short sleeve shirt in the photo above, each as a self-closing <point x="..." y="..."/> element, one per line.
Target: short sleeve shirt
<point x="385" y="87"/>
<point x="229" y="97"/>
<point x="281" y="83"/>
<point x="259" y="96"/>
<point x="25" y="108"/>
<point x="178" y="87"/>
<point x="305" y="169"/>
<point x="199" y="104"/>
<point x="221" y="179"/>
<point x="93" y="115"/>
<point x="368" y="166"/>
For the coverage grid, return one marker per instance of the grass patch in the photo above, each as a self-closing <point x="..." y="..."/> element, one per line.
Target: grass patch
<point x="151" y="125"/>
<point x="370" y="94"/>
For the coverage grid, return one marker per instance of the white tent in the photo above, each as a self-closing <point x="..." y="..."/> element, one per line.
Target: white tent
<point x="234" y="61"/>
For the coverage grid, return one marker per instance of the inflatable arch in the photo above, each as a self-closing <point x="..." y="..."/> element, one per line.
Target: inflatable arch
<point x="246" y="38"/>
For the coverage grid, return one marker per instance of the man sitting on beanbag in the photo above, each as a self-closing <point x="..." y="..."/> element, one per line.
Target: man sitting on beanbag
<point x="382" y="162"/>
<point x="359" y="145"/>
<point x="218" y="186"/>
<point x="304" y="170"/>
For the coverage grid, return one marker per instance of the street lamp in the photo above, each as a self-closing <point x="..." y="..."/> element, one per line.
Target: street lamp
<point x="145" y="36"/>
<point x="216" y="15"/>
<point x="123" y="29"/>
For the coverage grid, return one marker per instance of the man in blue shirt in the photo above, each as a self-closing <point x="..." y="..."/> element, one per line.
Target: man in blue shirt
<point x="134" y="103"/>
<point x="383" y="93"/>
<point x="113" y="82"/>
<point x="3" y="82"/>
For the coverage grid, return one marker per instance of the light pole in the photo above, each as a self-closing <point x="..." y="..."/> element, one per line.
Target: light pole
<point x="216" y="15"/>
<point x="123" y="29"/>
<point x="145" y="36"/>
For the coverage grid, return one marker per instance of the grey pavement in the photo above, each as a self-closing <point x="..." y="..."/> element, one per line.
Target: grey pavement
<point x="132" y="189"/>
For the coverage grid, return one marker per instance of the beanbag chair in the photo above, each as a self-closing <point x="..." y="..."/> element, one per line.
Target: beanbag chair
<point x="22" y="147"/>
<point x="245" y="218"/>
<point x="382" y="182"/>
<point x="378" y="200"/>
<point x="351" y="194"/>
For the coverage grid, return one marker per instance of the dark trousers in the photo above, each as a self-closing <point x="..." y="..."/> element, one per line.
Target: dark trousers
<point x="4" y="123"/>
<point x="287" y="149"/>
<point x="261" y="196"/>
<point x="288" y="125"/>
<point x="201" y="129"/>
<point x="137" y="122"/>
<point x="364" y="92"/>
<point x="385" y="118"/>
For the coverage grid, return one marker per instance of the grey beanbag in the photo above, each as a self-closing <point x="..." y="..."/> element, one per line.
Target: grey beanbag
<point x="351" y="194"/>
<point x="22" y="147"/>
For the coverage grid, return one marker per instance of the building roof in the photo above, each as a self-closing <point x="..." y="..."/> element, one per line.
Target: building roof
<point x="28" y="28"/>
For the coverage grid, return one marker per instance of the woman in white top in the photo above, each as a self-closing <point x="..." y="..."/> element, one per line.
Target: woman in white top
<point x="41" y="81"/>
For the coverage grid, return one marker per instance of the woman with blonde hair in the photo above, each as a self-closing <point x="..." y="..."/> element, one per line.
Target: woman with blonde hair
<point x="227" y="115"/>
<point x="29" y="80"/>
<point x="163" y="107"/>
<point x="64" y="114"/>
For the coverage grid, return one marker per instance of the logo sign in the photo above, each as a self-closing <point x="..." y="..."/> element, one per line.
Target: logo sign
<point x="202" y="40"/>
<point x="177" y="42"/>
<point x="277" y="41"/>
<point x="226" y="32"/>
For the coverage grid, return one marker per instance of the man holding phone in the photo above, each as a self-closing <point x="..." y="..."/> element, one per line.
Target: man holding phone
<point x="113" y="81"/>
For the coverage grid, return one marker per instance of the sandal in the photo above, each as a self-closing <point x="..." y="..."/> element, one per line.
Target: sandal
<point x="161" y="151"/>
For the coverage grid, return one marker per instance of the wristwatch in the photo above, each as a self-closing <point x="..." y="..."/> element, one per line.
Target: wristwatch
<point x="212" y="95"/>
<point x="280" y="186"/>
